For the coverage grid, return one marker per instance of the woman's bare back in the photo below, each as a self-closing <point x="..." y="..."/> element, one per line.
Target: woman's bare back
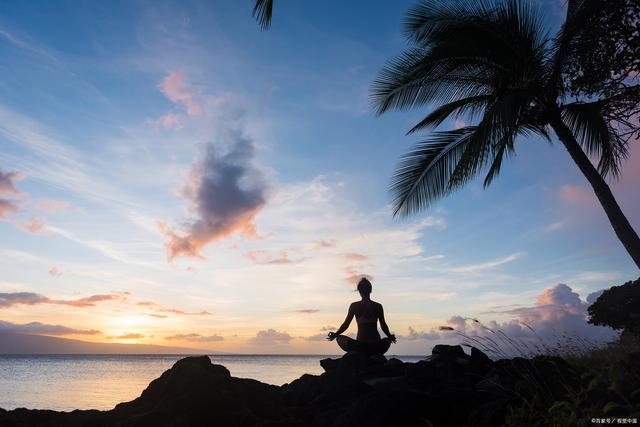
<point x="367" y="314"/>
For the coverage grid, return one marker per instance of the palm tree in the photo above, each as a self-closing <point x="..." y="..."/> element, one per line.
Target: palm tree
<point x="263" y="11"/>
<point x="493" y="62"/>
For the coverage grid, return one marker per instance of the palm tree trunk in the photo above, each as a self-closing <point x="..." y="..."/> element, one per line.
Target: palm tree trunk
<point x="619" y="222"/>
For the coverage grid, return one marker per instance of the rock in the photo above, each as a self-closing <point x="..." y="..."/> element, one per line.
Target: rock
<point x="449" y="352"/>
<point x="329" y="364"/>
<point x="480" y="363"/>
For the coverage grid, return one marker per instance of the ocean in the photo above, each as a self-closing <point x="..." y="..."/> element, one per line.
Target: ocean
<point x="67" y="382"/>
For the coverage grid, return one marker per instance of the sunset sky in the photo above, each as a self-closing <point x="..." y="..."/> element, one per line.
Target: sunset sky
<point x="172" y="175"/>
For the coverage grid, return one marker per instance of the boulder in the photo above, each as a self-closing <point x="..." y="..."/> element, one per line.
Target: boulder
<point x="452" y="352"/>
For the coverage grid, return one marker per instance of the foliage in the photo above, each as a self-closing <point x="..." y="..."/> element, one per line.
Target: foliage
<point x="263" y="12"/>
<point x="618" y="307"/>
<point x="587" y="381"/>
<point x="604" y="61"/>
<point x="605" y="52"/>
<point x="491" y="62"/>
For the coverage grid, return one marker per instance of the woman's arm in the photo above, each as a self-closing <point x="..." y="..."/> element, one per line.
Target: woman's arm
<point x="345" y="324"/>
<point x="384" y="327"/>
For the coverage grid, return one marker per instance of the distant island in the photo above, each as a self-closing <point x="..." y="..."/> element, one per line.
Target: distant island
<point x="11" y="343"/>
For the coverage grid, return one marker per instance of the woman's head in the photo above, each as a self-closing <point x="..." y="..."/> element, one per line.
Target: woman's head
<point x="364" y="286"/>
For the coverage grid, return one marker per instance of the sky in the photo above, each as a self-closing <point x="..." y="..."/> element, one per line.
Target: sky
<point x="170" y="174"/>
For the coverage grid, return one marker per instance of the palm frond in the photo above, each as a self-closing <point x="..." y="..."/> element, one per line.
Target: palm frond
<point x="262" y="12"/>
<point x="498" y="127"/>
<point x="468" y="55"/>
<point x="471" y="104"/>
<point x="596" y="135"/>
<point x="423" y="173"/>
<point x="418" y="77"/>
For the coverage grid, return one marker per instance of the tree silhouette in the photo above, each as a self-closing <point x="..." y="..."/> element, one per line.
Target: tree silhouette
<point x="492" y="61"/>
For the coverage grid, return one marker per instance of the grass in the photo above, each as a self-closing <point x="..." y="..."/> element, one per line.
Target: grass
<point x="564" y="381"/>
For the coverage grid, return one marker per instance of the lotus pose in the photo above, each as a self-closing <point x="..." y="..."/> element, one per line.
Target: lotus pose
<point x="367" y="314"/>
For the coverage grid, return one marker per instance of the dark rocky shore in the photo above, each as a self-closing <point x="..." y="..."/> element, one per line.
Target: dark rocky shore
<point x="449" y="388"/>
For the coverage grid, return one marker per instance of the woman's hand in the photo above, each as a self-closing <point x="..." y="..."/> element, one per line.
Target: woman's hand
<point x="392" y="337"/>
<point x="331" y="336"/>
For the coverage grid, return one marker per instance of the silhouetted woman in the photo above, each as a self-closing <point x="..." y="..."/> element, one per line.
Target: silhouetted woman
<point x="367" y="314"/>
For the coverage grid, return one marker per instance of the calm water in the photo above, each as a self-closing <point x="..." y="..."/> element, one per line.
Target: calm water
<point x="100" y="382"/>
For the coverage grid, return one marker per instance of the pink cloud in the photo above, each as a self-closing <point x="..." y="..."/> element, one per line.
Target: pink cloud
<point x="264" y="257"/>
<point x="578" y="195"/>
<point x="52" y="206"/>
<point x="174" y="87"/>
<point x="54" y="271"/>
<point x="326" y="243"/>
<point x="89" y="301"/>
<point x="34" y="226"/>
<point x="353" y="276"/>
<point x="355" y="257"/>
<point x="148" y="303"/>
<point x="557" y="313"/>
<point x="7" y="182"/>
<point x="185" y="313"/>
<point x="225" y="192"/>
<point x="158" y="308"/>
<point x="168" y="121"/>
<point x="8" y="207"/>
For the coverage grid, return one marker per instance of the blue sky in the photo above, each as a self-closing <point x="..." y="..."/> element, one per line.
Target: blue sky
<point x="112" y="115"/>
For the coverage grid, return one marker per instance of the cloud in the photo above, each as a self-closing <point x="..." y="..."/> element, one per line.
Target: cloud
<point x="29" y="298"/>
<point x="308" y="311"/>
<point x="554" y="226"/>
<point x="147" y="303"/>
<point x="474" y="268"/>
<point x="185" y="313"/>
<point x="7" y="182"/>
<point x="128" y="336"/>
<point x="414" y="335"/>
<point x="264" y="257"/>
<point x="174" y="87"/>
<point x="34" y="226"/>
<point x="317" y="337"/>
<point x="8" y="207"/>
<point x="596" y="276"/>
<point x="328" y="328"/>
<point x="326" y="243"/>
<point x="355" y="257"/>
<point x="578" y="195"/>
<point x="226" y="193"/>
<point x="37" y="328"/>
<point x="168" y="121"/>
<point x="89" y="301"/>
<point x="271" y="337"/>
<point x="158" y="308"/>
<point x="25" y="298"/>
<point x="52" y="206"/>
<point x="54" y="271"/>
<point x="194" y="338"/>
<point x="353" y="277"/>
<point x="558" y="310"/>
